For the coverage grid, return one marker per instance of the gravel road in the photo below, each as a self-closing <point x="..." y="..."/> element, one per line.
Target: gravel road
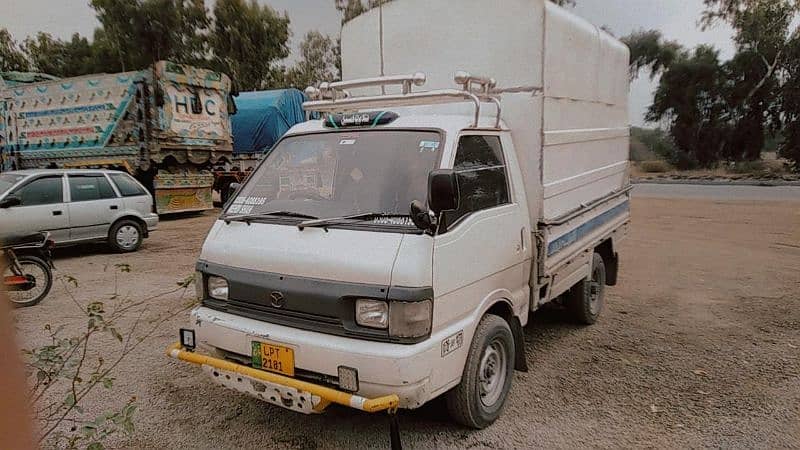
<point x="699" y="347"/>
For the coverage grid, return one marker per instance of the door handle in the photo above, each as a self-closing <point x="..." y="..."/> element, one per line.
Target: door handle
<point x="57" y="213"/>
<point x="113" y="207"/>
<point x="522" y="238"/>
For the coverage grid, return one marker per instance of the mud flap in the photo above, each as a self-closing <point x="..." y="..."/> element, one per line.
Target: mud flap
<point x="612" y="268"/>
<point x="520" y="362"/>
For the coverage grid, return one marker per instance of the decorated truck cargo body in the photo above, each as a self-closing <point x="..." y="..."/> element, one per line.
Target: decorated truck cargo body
<point x="166" y="125"/>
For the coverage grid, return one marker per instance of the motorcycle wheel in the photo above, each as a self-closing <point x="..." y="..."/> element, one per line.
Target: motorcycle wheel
<point x="38" y="268"/>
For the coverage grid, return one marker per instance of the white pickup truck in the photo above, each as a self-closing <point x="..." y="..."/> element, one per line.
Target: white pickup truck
<point x="393" y="251"/>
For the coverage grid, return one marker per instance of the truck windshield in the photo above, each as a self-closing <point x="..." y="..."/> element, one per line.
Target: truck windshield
<point x="7" y="180"/>
<point x="339" y="174"/>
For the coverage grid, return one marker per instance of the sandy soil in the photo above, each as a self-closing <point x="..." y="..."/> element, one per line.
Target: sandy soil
<point x="699" y="347"/>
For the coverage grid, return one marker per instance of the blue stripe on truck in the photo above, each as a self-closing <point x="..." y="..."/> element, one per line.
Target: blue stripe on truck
<point x="573" y="236"/>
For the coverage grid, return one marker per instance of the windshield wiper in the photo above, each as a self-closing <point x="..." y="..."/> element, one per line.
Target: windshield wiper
<point x="344" y="219"/>
<point x="248" y="217"/>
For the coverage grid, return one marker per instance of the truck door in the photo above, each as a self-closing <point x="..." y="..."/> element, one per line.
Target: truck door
<point x="486" y="248"/>
<point x="92" y="207"/>
<point x="42" y="208"/>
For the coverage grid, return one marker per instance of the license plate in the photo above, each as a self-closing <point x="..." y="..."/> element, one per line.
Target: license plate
<point x="273" y="357"/>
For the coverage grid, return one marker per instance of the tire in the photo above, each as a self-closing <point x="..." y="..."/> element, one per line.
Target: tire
<point x="477" y="402"/>
<point x="125" y="236"/>
<point x="31" y="265"/>
<point x="586" y="299"/>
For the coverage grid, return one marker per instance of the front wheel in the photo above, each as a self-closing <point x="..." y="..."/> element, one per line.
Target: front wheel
<point x="479" y="399"/>
<point x="35" y="269"/>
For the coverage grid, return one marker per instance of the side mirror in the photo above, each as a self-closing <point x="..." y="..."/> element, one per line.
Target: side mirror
<point x="421" y="216"/>
<point x="232" y="188"/>
<point x="9" y="201"/>
<point x="443" y="192"/>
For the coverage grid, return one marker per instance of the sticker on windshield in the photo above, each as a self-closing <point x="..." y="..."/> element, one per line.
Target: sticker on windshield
<point x="430" y="146"/>
<point x="255" y="200"/>
<point x="250" y="200"/>
<point x="240" y="209"/>
<point x="347" y="142"/>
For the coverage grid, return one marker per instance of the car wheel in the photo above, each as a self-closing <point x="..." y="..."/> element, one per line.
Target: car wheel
<point x="125" y="236"/>
<point x="586" y="299"/>
<point x="479" y="399"/>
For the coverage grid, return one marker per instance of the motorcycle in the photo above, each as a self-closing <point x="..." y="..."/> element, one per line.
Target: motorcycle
<point x="27" y="267"/>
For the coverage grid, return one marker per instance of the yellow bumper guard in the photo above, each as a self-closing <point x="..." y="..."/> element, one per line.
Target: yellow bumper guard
<point x="386" y="403"/>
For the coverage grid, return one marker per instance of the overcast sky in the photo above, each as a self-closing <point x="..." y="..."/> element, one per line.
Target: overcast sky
<point x="677" y="19"/>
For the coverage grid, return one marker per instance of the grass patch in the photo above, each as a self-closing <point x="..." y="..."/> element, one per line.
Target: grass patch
<point x="655" y="166"/>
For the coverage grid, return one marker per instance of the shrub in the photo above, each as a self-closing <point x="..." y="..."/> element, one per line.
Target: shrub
<point x="655" y="166"/>
<point x="748" y="167"/>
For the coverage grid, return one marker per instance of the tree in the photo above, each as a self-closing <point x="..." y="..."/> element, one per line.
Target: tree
<point x="649" y="50"/>
<point x="11" y="57"/>
<point x="247" y="40"/>
<point x="790" y="98"/>
<point x="320" y="60"/>
<point x="690" y="97"/>
<point x="60" y="58"/>
<point x="140" y="32"/>
<point x="724" y="110"/>
<point x="350" y="9"/>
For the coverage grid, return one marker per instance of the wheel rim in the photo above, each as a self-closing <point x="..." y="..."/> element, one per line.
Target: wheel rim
<point x="127" y="236"/>
<point x="39" y="274"/>
<point x="492" y="372"/>
<point x="595" y="291"/>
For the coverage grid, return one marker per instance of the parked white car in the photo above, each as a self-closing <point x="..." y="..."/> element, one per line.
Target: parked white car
<point x="77" y="206"/>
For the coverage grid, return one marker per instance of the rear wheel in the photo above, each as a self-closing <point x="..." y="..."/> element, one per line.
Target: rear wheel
<point x="479" y="399"/>
<point x="586" y="299"/>
<point x="36" y="269"/>
<point x="125" y="236"/>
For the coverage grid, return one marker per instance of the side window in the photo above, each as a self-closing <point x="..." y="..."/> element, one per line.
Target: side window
<point x="42" y="191"/>
<point x="89" y="187"/>
<point x="481" y="172"/>
<point x="127" y="186"/>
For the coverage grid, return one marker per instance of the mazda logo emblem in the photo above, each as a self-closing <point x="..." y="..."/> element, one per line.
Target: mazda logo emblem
<point x="277" y="299"/>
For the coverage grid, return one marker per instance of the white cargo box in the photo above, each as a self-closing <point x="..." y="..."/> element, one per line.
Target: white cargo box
<point x="571" y="133"/>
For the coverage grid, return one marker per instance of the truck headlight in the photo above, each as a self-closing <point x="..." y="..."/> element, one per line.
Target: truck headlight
<point x="372" y="313"/>
<point x="410" y="319"/>
<point x="217" y="287"/>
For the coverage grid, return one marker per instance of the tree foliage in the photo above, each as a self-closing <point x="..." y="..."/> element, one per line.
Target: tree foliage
<point x="247" y="40"/>
<point x="139" y="32"/>
<point x="61" y="58"/>
<point x="320" y="60"/>
<point x="11" y="56"/>
<point x="725" y="110"/>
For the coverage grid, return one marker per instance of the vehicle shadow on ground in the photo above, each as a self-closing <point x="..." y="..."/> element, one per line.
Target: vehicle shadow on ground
<point x="188" y="215"/>
<point x="78" y="250"/>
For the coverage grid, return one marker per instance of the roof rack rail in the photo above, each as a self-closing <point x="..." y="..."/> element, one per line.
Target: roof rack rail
<point x="335" y="97"/>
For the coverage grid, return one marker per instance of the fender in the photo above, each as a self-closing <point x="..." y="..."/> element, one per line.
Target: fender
<point x="504" y="309"/>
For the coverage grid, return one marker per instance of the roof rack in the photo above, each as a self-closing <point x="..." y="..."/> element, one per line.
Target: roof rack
<point x="335" y="97"/>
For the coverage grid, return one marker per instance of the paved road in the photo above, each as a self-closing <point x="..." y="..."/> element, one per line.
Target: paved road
<point x="717" y="192"/>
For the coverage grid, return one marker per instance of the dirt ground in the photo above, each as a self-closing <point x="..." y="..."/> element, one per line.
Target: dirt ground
<point x="699" y="347"/>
